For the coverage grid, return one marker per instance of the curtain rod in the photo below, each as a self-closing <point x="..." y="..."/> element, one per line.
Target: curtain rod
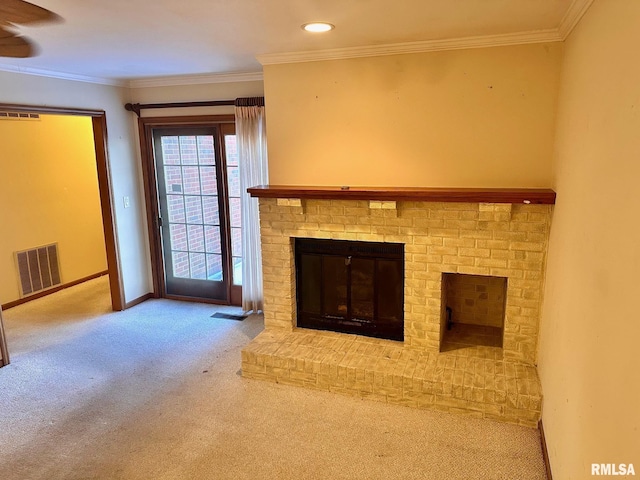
<point x="241" y="102"/>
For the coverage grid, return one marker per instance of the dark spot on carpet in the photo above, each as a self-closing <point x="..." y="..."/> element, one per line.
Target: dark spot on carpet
<point x="228" y="316"/>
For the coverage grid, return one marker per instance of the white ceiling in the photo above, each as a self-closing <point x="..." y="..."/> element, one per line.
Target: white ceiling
<point x="133" y="39"/>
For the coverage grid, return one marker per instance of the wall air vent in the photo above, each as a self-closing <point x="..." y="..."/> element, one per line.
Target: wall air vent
<point x="38" y="269"/>
<point x="4" y="115"/>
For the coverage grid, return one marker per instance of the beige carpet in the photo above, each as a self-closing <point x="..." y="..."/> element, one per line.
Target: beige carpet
<point x="155" y="393"/>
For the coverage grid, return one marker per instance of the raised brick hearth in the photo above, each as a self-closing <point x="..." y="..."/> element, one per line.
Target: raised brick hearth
<point x="487" y="239"/>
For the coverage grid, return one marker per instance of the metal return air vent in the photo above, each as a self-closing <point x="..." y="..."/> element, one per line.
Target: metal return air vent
<point x="4" y="115"/>
<point x="38" y="269"/>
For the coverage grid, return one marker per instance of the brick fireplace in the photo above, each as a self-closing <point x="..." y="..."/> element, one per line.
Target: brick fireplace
<point x="504" y="237"/>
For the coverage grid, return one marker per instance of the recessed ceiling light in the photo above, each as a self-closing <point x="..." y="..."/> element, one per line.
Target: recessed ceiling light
<point x="318" y="27"/>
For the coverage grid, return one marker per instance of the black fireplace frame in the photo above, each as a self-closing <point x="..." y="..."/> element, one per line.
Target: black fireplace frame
<point x="387" y="302"/>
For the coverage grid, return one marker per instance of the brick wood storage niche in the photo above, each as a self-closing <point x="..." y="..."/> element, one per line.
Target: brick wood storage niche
<point x="504" y="240"/>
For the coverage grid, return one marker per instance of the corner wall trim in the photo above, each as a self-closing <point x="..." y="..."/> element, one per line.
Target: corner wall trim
<point x="138" y="300"/>
<point x="545" y="452"/>
<point x="35" y="296"/>
<point x="4" y="351"/>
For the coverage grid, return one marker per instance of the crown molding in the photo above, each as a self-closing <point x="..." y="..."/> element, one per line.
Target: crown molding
<point x="538" y="36"/>
<point x="140" y="82"/>
<point x="41" y="72"/>
<point x="573" y="15"/>
<point x="195" y="79"/>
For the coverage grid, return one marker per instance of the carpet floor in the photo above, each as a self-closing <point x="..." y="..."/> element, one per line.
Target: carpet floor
<point x="154" y="392"/>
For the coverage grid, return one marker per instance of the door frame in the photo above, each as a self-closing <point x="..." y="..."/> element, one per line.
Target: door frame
<point x="99" y="125"/>
<point x="146" y="125"/>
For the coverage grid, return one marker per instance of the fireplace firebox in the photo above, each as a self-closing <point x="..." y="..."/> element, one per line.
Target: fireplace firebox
<point x="350" y="287"/>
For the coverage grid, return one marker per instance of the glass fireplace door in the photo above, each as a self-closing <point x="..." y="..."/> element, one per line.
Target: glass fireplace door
<point x="350" y="287"/>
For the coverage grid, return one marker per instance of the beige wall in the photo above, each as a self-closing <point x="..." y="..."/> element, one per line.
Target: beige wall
<point x="590" y="330"/>
<point x="49" y="193"/>
<point x="131" y="236"/>
<point x="478" y="117"/>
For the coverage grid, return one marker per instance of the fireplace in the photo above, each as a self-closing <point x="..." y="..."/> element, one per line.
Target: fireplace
<point x="493" y="242"/>
<point x="350" y="287"/>
<point x="505" y="240"/>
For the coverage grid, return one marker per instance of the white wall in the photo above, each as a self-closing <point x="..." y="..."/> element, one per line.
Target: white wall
<point x="124" y="168"/>
<point x="590" y="330"/>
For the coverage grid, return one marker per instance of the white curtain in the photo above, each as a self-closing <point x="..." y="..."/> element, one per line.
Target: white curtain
<point x="252" y="148"/>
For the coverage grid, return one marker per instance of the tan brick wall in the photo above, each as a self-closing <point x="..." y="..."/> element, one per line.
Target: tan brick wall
<point x="479" y="239"/>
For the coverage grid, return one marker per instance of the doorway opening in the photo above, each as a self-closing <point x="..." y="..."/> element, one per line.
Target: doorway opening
<point x="192" y="187"/>
<point x="97" y="129"/>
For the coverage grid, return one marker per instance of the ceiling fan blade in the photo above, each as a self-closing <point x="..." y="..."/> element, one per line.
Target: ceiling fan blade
<point x="21" y="12"/>
<point x="4" y="33"/>
<point x="16" y="47"/>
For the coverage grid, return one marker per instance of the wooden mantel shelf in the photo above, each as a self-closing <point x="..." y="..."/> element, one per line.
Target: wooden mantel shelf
<point x="411" y="194"/>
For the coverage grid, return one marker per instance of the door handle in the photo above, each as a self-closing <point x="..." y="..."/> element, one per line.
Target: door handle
<point x="347" y="261"/>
